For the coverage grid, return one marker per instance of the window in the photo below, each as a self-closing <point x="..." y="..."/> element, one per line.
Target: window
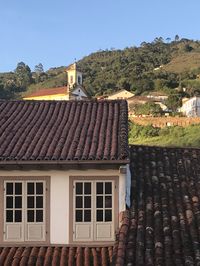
<point x="71" y="79"/>
<point x="25" y="210"/>
<point x="79" y="80"/>
<point x="93" y="210"/>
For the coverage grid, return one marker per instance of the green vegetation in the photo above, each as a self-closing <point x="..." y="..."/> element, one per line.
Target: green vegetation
<point x="168" y="136"/>
<point x="147" y="109"/>
<point x="162" y="65"/>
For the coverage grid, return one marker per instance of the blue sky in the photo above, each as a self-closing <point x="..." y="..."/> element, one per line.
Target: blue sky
<point x="55" y="32"/>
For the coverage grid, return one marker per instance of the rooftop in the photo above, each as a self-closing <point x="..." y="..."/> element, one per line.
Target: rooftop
<point x="64" y="131"/>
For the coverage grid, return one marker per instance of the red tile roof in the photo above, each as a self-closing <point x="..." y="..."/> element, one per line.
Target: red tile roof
<point x="48" y="256"/>
<point x="63" y="130"/>
<point x="49" y="91"/>
<point x="162" y="226"/>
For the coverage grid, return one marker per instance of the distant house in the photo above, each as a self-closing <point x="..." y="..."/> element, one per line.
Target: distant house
<point x="63" y="171"/>
<point x="157" y="95"/>
<point x="121" y="94"/>
<point x="136" y="100"/>
<point x="191" y="107"/>
<point x="73" y="91"/>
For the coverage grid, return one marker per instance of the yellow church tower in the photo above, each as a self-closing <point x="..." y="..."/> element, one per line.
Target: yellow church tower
<point x="74" y="76"/>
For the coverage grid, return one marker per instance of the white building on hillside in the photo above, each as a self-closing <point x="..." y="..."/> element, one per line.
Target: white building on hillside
<point x="191" y="107"/>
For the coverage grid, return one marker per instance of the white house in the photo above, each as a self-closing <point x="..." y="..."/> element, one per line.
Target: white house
<point x="64" y="171"/>
<point x="191" y="107"/>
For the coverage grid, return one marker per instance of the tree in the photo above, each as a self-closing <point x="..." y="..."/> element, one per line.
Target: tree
<point x="23" y="75"/>
<point x="39" y="68"/>
<point x="147" y="109"/>
<point x="176" y="38"/>
<point x="173" y="102"/>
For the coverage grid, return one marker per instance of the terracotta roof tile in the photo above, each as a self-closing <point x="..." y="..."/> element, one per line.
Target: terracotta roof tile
<point x="162" y="226"/>
<point x="63" y="130"/>
<point x="48" y="91"/>
<point x="53" y="256"/>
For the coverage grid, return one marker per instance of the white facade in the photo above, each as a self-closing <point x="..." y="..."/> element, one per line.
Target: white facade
<point x="60" y="204"/>
<point x="191" y="108"/>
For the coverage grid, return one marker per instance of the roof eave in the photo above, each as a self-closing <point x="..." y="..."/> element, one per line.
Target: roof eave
<point x="60" y="162"/>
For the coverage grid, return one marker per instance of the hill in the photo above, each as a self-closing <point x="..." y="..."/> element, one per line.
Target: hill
<point x="158" y="65"/>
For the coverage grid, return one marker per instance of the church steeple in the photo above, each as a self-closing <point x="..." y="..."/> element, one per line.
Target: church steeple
<point x="74" y="76"/>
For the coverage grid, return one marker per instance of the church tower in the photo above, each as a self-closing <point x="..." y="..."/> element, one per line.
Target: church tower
<point x="74" y="76"/>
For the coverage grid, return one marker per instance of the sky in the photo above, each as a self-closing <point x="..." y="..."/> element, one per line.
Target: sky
<point x="56" y="32"/>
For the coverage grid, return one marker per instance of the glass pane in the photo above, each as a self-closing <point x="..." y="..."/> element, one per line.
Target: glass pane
<point x="18" y="188"/>
<point x="99" y="216"/>
<point x="9" y="216"/>
<point x="108" y="202"/>
<point x="99" y="202"/>
<point x="30" y="188"/>
<point x="87" y="202"/>
<point x="9" y="188"/>
<point x="39" y="216"/>
<point x="99" y="188"/>
<point x="30" y="202"/>
<point x="9" y="202"/>
<point x="87" y="188"/>
<point x="79" y="216"/>
<point x="108" y="215"/>
<point x="87" y="215"/>
<point x="18" y="202"/>
<point x="18" y="216"/>
<point x="39" y="202"/>
<point x="30" y="214"/>
<point x="108" y="188"/>
<point x="39" y="188"/>
<point x="79" y="188"/>
<point x="79" y="202"/>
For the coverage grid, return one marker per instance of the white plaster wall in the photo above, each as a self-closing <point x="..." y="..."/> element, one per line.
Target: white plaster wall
<point x="59" y="196"/>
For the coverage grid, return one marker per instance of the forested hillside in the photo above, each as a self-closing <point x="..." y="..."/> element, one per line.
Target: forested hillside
<point x="160" y="65"/>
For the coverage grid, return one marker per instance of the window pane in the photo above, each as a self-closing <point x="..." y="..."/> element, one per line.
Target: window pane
<point x="18" y="188"/>
<point x="39" y="202"/>
<point x="79" y="202"/>
<point x="39" y="188"/>
<point x="39" y="216"/>
<point x="108" y="202"/>
<point x="87" y="188"/>
<point x="18" y="202"/>
<point x="108" y="215"/>
<point x="9" y="202"/>
<point x="87" y="202"/>
<point x="9" y="216"/>
<point x="18" y="216"/>
<point x="99" y="216"/>
<point x="99" y="202"/>
<point x="30" y="188"/>
<point x="99" y="188"/>
<point x="30" y="214"/>
<point x="108" y="188"/>
<point x="79" y="216"/>
<point x="79" y="188"/>
<point x="9" y="188"/>
<point x="30" y="202"/>
<point x="87" y="215"/>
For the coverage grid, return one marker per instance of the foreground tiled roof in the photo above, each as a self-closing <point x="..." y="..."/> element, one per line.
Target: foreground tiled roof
<point x="48" y="91"/>
<point x="162" y="226"/>
<point x="63" y="131"/>
<point x="47" y="256"/>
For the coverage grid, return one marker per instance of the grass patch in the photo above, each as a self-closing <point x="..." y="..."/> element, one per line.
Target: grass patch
<point x="169" y="136"/>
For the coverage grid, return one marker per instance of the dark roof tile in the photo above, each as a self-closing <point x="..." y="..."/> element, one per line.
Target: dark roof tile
<point x="63" y="130"/>
<point x="164" y="219"/>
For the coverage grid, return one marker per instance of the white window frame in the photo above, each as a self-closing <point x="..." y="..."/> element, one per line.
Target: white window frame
<point x="94" y="223"/>
<point x="45" y="223"/>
